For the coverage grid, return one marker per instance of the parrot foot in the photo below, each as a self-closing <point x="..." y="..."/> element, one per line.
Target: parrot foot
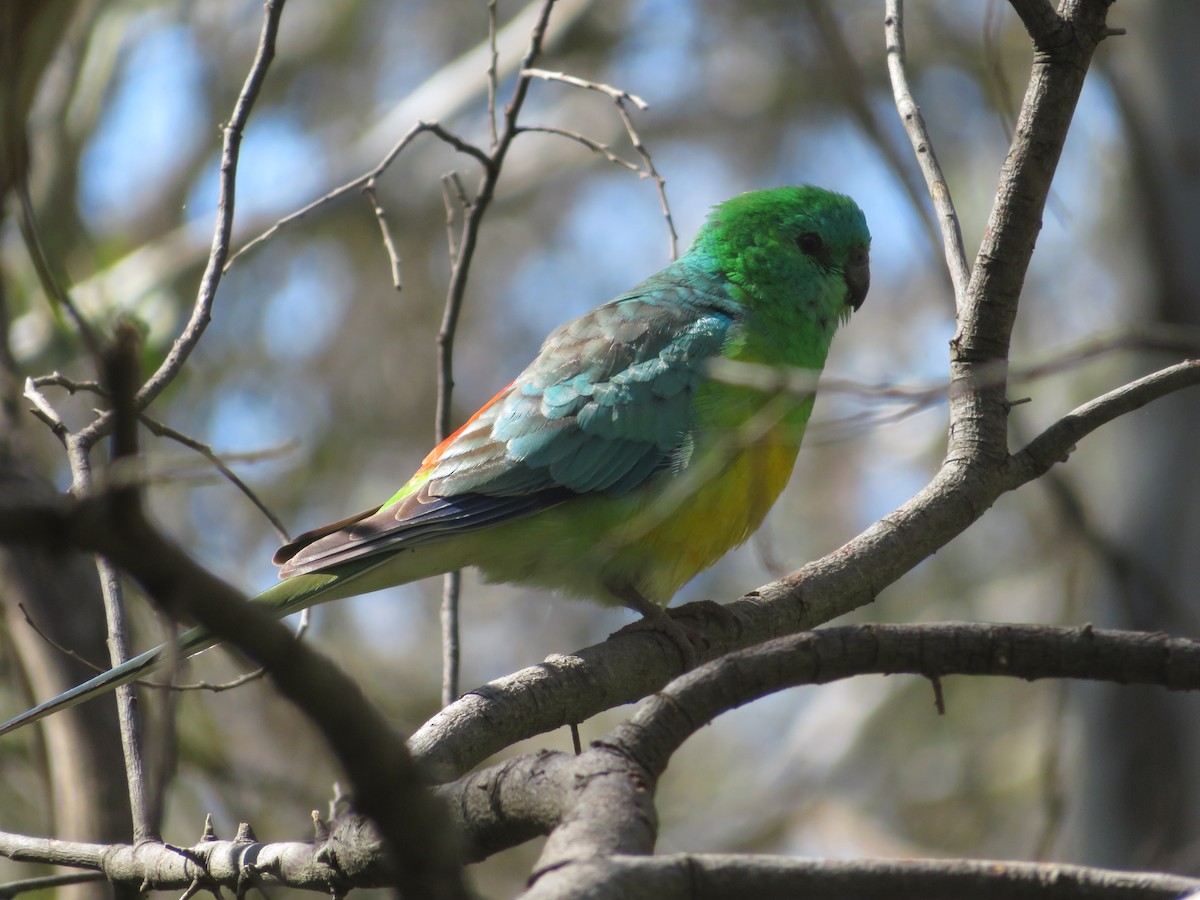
<point x="706" y="611"/>
<point x="663" y="621"/>
<point x="660" y="621"/>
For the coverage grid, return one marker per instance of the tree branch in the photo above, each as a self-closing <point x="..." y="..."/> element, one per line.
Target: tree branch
<point x="935" y="181"/>
<point x="663" y="721"/>
<point x="978" y="412"/>
<point x="226" y="191"/>
<point x="741" y="875"/>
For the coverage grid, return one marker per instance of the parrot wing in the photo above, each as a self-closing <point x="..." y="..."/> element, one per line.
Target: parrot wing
<point x="605" y="405"/>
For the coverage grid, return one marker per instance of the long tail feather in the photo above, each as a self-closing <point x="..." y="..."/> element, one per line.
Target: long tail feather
<point x="190" y="643"/>
<point x="281" y="600"/>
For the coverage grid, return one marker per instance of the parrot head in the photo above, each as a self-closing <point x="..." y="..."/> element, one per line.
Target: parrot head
<point x="798" y="260"/>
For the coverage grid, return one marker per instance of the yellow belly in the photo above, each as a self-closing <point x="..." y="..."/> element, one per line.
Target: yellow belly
<point x="699" y="519"/>
<point x="598" y="546"/>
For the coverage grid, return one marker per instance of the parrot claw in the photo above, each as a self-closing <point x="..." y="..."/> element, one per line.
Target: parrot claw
<point x="665" y="621"/>
<point x="704" y="611"/>
<point x="660" y="621"/>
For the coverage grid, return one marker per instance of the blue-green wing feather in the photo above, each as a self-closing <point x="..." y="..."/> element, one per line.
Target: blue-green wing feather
<point x="604" y="406"/>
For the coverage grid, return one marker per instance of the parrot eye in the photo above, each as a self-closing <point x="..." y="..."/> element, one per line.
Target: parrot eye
<point x="810" y="244"/>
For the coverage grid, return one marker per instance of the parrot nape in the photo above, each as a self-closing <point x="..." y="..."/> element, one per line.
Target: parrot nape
<point x="616" y="466"/>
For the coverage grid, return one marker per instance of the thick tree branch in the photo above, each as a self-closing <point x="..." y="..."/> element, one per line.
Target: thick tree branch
<point x="979" y="410"/>
<point x="666" y="719"/>
<point x="731" y="876"/>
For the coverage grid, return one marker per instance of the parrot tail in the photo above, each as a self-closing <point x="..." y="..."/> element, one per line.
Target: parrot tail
<point x="280" y="600"/>
<point x="189" y="643"/>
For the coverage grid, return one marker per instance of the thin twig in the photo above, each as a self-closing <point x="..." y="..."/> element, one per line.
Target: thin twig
<point x="620" y="98"/>
<point x="44" y="411"/>
<point x="41" y="265"/>
<point x="162" y="430"/>
<point x="914" y="124"/>
<point x="119" y="372"/>
<point x="451" y="636"/>
<point x="492" y="74"/>
<point x="358" y="183"/>
<point x="616" y="94"/>
<point x="388" y="244"/>
<point x="853" y="87"/>
<point x="660" y="183"/>
<point x="593" y="145"/>
<point x="227" y="183"/>
<point x="216" y="687"/>
<point x="456" y="291"/>
<point x="454" y="198"/>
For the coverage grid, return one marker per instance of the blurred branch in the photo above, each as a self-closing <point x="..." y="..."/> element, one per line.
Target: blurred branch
<point x="935" y="181"/>
<point x="388" y="787"/>
<point x="51" y="285"/>
<point x="25" y="885"/>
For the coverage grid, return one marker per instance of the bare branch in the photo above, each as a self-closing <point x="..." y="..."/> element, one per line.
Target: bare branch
<point x="668" y="877"/>
<point x="620" y="98"/>
<point x="616" y="94"/>
<point x="1057" y="442"/>
<point x="160" y="429"/>
<point x="1045" y="27"/>
<point x="455" y="293"/>
<point x="367" y="178"/>
<point x="914" y="124"/>
<point x="227" y="184"/>
<point x="985" y="321"/>
<point x="852" y="84"/>
<point x="388" y="244"/>
<point x="632" y="665"/>
<point x="388" y="788"/>
<point x="663" y="721"/>
<point x="593" y="145"/>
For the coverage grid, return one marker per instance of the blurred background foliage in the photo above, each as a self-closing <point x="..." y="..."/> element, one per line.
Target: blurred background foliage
<point x="315" y="359"/>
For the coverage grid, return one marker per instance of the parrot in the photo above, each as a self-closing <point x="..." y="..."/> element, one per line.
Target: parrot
<point x="618" y="464"/>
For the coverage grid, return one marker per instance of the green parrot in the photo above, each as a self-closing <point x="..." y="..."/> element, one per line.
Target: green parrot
<point x="617" y="465"/>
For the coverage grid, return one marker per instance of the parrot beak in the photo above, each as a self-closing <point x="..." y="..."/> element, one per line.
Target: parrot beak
<point x="858" y="276"/>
